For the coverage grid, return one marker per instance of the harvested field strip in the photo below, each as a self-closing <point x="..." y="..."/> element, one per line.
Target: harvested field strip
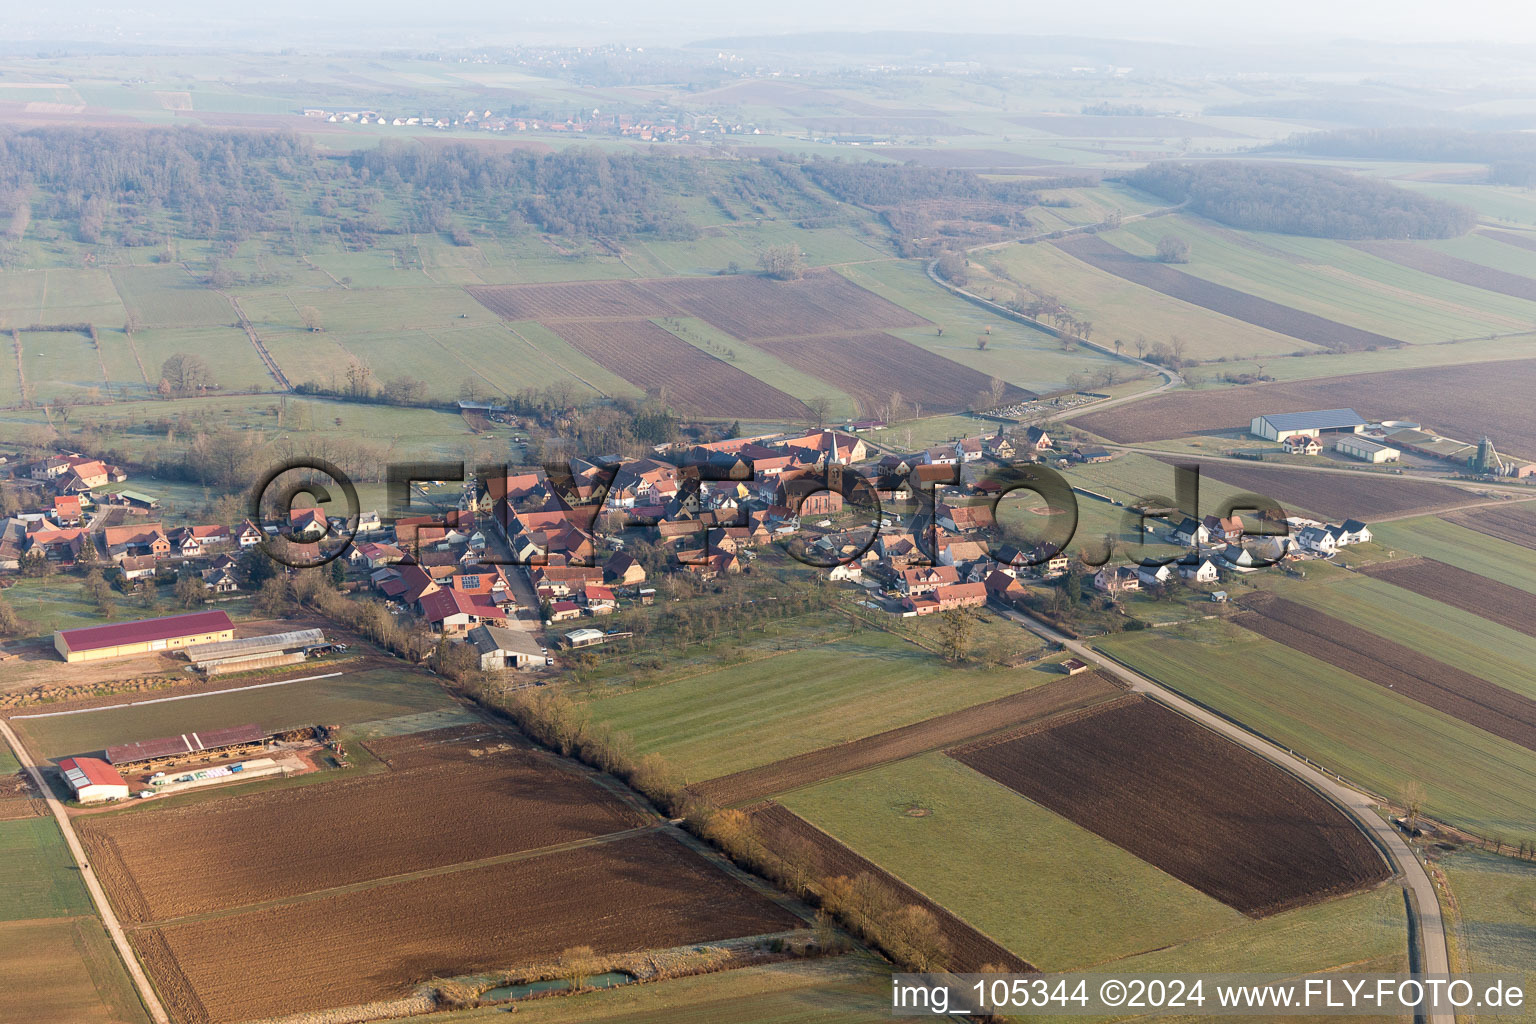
<point x="644" y="893"/>
<point x="1513" y="523"/>
<point x="1182" y="798"/>
<point x="656" y="360"/>
<point x="895" y="744"/>
<point x="969" y="949"/>
<point x="579" y="300"/>
<point x="440" y="806"/>
<point x="1494" y="601"/>
<point x="1431" y="261"/>
<point x="1400" y="669"/>
<point x="1336" y="496"/>
<point x="871" y="367"/>
<point x="1097" y="252"/>
<point x="1511" y="238"/>
<point x="748" y="306"/>
<point x="1458" y="400"/>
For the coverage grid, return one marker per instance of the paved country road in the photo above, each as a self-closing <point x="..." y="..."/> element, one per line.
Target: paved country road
<point x="1434" y="955"/>
<point x="103" y="908"/>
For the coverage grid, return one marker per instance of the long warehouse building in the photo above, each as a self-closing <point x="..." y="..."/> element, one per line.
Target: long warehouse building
<point x="146" y="636"/>
<point x="176" y="747"/>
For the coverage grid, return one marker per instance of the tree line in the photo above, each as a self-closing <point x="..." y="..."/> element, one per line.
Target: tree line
<point x="1510" y="156"/>
<point x="1297" y="200"/>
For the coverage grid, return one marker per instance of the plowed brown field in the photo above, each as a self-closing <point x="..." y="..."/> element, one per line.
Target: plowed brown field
<point x="439" y="805"/>
<point x="946" y="730"/>
<point x="1101" y="254"/>
<point x="869" y="367"/>
<point x="1452" y="268"/>
<point x="1494" y="601"/>
<point x="577" y="300"/>
<point x="1401" y="669"/>
<point x="969" y="950"/>
<point x="1188" y="801"/>
<point x="645" y="892"/>
<point x="1463" y="401"/>
<point x="653" y="359"/>
<point x="1336" y="495"/>
<point x="1515" y="523"/>
<point x="750" y="306"/>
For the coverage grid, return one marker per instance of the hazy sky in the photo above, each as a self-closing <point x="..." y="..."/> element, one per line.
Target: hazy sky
<point x="676" y="21"/>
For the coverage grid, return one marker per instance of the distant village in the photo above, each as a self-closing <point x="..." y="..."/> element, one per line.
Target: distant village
<point x="684" y="128"/>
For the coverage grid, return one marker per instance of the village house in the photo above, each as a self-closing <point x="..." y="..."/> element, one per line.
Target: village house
<point x="999" y="446"/>
<point x="219" y="581"/>
<point x="1228" y="530"/>
<point x="137" y="539"/>
<point x="965" y="518"/>
<point x="925" y="579"/>
<point x="1302" y="444"/>
<point x="1190" y="533"/>
<point x="1036" y="440"/>
<point x="66" y="510"/>
<point x="960" y="552"/>
<point x="1317" y="540"/>
<point x="850" y="572"/>
<point x="1153" y="575"/>
<point x="943" y="455"/>
<point x="454" y="612"/>
<point x="137" y="567"/>
<point x="945" y="598"/>
<point x="195" y="541"/>
<point x="248" y="535"/>
<point x="1352" y="531"/>
<point x="1116" y="579"/>
<point x="623" y="571"/>
<point x="1203" y="571"/>
<point x="968" y="449"/>
<point x="1004" y="587"/>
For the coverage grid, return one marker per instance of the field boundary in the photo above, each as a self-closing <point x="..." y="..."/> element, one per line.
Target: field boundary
<point x="871" y="752"/>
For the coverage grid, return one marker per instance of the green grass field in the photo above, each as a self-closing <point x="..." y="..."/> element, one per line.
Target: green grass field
<point x="1334" y="280"/>
<point x="1366" y="932"/>
<point x="37" y="876"/>
<point x="57" y="602"/>
<point x="1052" y="892"/>
<point x="1461" y="547"/>
<point x="1119" y="309"/>
<point x="1015" y="352"/>
<point x="64" y="971"/>
<point x="168" y="296"/>
<point x="1496" y="653"/>
<point x="714" y="723"/>
<point x="60" y="364"/>
<point x="1497" y="900"/>
<point x="1356" y="728"/>
<point x="354" y="697"/>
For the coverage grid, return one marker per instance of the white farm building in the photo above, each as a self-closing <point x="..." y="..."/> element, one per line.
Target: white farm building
<point x="1366" y="451"/>
<point x="1276" y="426"/>
<point x="93" y="780"/>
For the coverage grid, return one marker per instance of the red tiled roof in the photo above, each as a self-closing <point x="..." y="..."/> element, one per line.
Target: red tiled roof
<point x="439" y="605"/>
<point x="95" y="771"/>
<point x="93" y="638"/>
